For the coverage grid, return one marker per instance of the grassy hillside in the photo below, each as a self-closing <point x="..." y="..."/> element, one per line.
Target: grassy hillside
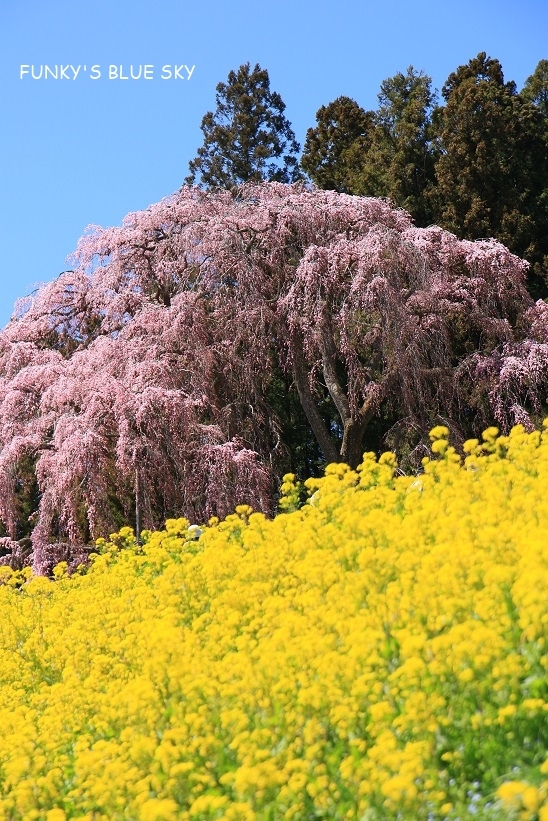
<point x="377" y="653"/>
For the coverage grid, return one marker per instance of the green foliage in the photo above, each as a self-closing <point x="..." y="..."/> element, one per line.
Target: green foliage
<point x="402" y="145"/>
<point x="27" y="496"/>
<point x="247" y="138"/>
<point x="295" y="447"/>
<point x="387" y="153"/>
<point x="330" y="148"/>
<point x="477" y="165"/>
<point x="535" y="88"/>
<point x="492" y="175"/>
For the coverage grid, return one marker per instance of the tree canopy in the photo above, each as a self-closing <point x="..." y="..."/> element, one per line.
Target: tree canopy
<point x="476" y="165"/>
<point x="535" y="88"/>
<point x="247" y="138"/>
<point x="329" y="151"/>
<point x="383" y="153"/>
<point x="492" y="176"/>
<point x="406" y="102"/>
<point x="150" y="379"/>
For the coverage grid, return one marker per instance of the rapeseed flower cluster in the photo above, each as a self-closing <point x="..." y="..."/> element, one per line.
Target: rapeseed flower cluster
<point x="378" y="652"/>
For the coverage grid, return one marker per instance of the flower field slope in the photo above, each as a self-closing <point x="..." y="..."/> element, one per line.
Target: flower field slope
<point x="376" y="653"/>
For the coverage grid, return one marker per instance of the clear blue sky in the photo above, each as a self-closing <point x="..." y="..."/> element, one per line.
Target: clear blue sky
<point x="80" y="152"/>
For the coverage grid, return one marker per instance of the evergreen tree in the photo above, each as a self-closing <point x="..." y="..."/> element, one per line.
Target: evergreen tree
<point x="406" y="102"/>
<point x="387" y="153"/>
<point x="493" y="169"/>
<point x="329" y="152"/>
<point x="536" y="87"/>
<point x="247" y="138"/>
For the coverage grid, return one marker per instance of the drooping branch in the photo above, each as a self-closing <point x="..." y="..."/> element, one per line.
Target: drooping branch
<point x="170" y="328"/>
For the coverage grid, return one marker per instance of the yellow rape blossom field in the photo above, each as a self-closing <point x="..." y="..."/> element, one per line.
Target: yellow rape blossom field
<point x="378" y="652"/>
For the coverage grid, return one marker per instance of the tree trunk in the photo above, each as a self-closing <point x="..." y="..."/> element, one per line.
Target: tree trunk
<point x="137" y="507"/>
<point x="325" y="441"/>
<point x="352" y="447"/>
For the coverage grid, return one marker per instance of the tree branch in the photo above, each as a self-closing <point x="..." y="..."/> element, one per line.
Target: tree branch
<point x="300" y="373"/>
<point x="329" y="359"/>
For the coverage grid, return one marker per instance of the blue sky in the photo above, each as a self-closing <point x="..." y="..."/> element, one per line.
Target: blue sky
<point x="80" y="152"/>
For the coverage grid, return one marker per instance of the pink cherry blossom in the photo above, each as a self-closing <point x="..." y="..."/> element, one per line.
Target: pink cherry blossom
<point x="140" y="381"/>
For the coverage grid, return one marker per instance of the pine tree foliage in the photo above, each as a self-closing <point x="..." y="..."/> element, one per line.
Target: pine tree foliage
<point x="329" y="152"/>
<point x="535" y="88"/>
<point x="492" y="174"/>
<point x="406" y="103"/>
<point x="386" y="153"/>
<point x="477" y="165"/>
<point x="247" y="138"/>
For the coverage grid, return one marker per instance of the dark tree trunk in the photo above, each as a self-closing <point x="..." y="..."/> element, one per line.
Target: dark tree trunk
<point x="319" y="429"/>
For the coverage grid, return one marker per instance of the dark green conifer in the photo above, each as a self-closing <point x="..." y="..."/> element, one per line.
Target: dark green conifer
<point x="536" y="87"/>
<point x="343" y="133"/>
<point x="405" y="149"/>
<point x="493" y="170"/>
<point x="247" y="138"/>
<point x="387" y="153"/>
